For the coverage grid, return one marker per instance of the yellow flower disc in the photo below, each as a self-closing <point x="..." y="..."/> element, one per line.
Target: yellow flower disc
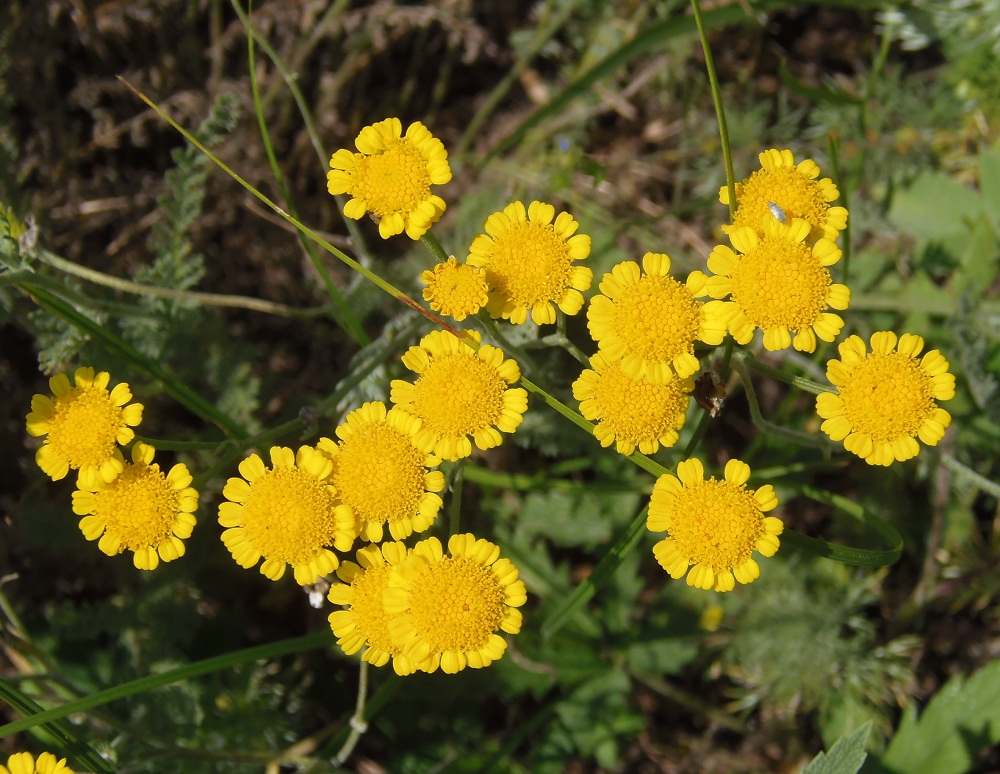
<point x="391" y="177"/>
<point x="287" y="514"/>
<point x="25" y="763"/>
<point x="714" y="526"/>
<point x="631" y="412"/>
<point x="455" y="289"/>
<point x="380" y="474"/>
<point x="779" y="284"/>
<point x="141" y="510"/>
<point x="447" y="610"/>
<point x="365" y="623"/>
<point x="459" y="393"/>
<point x="82" y="425"/>
<point x="528" y="260"/>
<point x="886" y="399"/>
<point x="650" y="322"/>
<point x="793" y="189"/>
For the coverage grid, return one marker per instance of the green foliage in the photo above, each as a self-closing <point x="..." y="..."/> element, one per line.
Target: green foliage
<point x="847" y="755"/>
<point x="961" y="719"/>
<point x="805" y="643"/>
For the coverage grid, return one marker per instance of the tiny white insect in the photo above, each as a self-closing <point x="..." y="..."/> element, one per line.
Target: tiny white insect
<point x="778" y="213"/>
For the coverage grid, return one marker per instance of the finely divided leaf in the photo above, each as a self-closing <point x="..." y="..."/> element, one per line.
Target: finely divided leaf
<point x="845" y="757"/>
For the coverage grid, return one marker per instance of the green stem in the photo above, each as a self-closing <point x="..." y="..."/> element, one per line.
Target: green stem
<point x="143" y="684"/>
<point x="455" y="507"/>
<point x="342" y="313"/>
<point x="174" y="387"/>
<point x="357" y="722"/>
<point x="767" y="427"/>
<point x="806" y="385"/>
<point x="833" y="146"/>
<point x="205" y="299"/>
<point x="964" y="471"/>
<point x="434" y="246"/>
<point x="720" y="112"/>
<point x="291" y="81"/>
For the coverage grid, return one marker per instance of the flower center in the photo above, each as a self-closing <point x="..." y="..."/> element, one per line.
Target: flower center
<point x="84" y="427"/>
<point x="657" y="318"/>
<point x="637" y="410"/>
<point x="887" y="396"/>
<point x="458" y="395"/>
<point x="456" y="289"/>
<point x="716" y="523"/>
<point x="380" y="474"/>
<point x="780" y="284"/>
<point x="139" y="507"/>
<point x="395" y="180"/>
<point x="530" y="264"/>
<point x="289" y="516"/>
<point x="366" y="604"/>
<point x="796" y="194"/>
<point x="457" y="604"/>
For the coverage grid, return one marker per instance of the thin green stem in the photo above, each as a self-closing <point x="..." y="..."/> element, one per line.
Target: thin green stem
<point x="291" y="81"/>
<point x="342" y="312"/>
<point x="369" y="275"/>
<point x="833" y="148"/>
<point x="173" y="386"/>
<point x="720" y="112"/>
<point x="513" y="350"/>
<point x="357" y="722"/>
<point x="272" y="650"/>
<point x="205" y="299"/>
<point x="806" y="385"/>
<point x="431" y="242"/>
<point x="987" y="485"/>
<point x="562" y="340"/>
<point x="793" y="436"/>
<point x="455" y="507"/>
<point x="169" y="444"/>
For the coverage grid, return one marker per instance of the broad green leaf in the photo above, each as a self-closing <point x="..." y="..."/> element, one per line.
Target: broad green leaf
<point x="961" y="719"/>
<point x="935" y="208"/>
<point x="845" y="757"/>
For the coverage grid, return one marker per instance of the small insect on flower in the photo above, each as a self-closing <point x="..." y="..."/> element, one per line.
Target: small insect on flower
<point x="778" y="213"/>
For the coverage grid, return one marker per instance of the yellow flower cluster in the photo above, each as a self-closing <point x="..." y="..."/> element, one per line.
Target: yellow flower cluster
<point x="133" y="506"/>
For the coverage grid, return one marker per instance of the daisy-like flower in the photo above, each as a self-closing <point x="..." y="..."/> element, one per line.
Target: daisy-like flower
<point x="886" y="399"/>
<point x="382" y="478"/>
<point x="455" y="289"/>
<point x="459" y="393"/>
<point x="25" y="763"/>
<point x="713" y="525"/>
<point x="529" y="262"/>
<point x="391" y="177"/>
<point x="365" y="623"/>
<point x="82" y="424"/>
<point x="446" y="610"/>
<point x="650" y="321"/>
<point x="288" y="514"/>
<point x="793" y="189"/>
<point x="631" y="412"/>
<point x="780" y="284"/>
<point x="141" y="510"/>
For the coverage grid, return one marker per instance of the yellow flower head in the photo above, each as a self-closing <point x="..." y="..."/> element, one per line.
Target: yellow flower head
<point x="793" y="190"/>
<point x="392" y="176"/>
<point x="82" y="424"/>
<point x="887" y="398"/>
<point x="455" y="289"/>
<point x="365" y="623"/>
<point x="650" y="322"/>
<point x="381" y="477"/>
<point x="288" y="514"/>
<point x="631" y="412"/>
<point x="25" y="763"/>
<point x="529" y="262"/>
<point x="459" y="393"/>
<point x="446" y="610"/>
<point x="779" y="284"/>
<point x="713" y="525"/>
<point x="141" y="510"/>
